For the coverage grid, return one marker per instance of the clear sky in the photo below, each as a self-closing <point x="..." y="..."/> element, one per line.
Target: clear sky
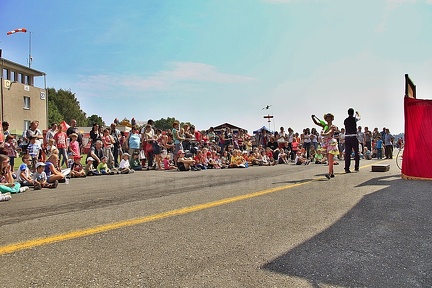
<point x="211" y="62"/>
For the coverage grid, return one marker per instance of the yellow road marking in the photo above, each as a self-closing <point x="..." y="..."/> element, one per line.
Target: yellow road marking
<point x="11" y="248"/>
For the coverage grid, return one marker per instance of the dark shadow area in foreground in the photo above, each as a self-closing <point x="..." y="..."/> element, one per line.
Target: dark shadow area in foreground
<point x="384" y="241"/>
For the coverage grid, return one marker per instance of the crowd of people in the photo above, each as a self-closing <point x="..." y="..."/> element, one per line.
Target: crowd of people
<point x="54" y="158"/>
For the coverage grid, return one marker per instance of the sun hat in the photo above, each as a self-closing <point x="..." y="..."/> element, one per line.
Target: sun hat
<point x="38" y="164"/>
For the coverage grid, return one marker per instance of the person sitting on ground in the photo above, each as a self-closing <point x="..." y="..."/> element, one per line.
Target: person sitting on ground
<point x="263" y="158"/>
<point x="103" y="167"/>
<point x="282" y="156"/>
<point x="77" y="169"/>
<point x="24" y="174"/>
<point x="319" y="157"/>
<point x="299" y="160"/>
<point x="7" y="184"/>
<point x="40" y="178"/>
<point x="124" y="166"/>
<point x="135" y="162"/>
<point x="199" y="160"/>
<point x="184" y="163"/>
<point x="225" y="159"/>
<point x="245" y="155"/>
<point x="167" y="164"/>
<point x="237" y="161"/>
<point x="367" y="153"/>
<point x="52" y="172"/>
<point x="253" y="157"/>
<point x="214" y="160"/>
<point x="270" y="156"/>
<point x="204" y="157"/>
<point x="90" y="170"/>
<point x="312" y="152"/>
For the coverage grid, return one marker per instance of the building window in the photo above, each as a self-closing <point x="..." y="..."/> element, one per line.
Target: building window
<point x="26" y="124"/>
<point x="13" y="76"/>
<point x="26" y="102"/>
<point x="6" y="74"/>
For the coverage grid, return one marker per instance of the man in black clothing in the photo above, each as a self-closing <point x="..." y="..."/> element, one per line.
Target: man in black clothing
<point x="351" y="142"/>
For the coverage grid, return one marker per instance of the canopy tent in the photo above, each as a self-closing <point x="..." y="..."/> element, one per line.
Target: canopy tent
<point x="263" y="128"/>
<point x="418" y="128"/>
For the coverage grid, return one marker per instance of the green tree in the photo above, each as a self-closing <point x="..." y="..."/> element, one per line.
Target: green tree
<point x="67" y="106"/>
<point x="95" y="119"/>
<point x="164" y="124"/>
<point x="54" y="115"/>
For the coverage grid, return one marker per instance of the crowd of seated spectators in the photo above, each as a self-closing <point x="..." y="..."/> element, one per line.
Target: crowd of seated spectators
<point x="57" y="158"/>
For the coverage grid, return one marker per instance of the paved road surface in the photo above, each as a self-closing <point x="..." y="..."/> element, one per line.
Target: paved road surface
<point x="282" y="226"/>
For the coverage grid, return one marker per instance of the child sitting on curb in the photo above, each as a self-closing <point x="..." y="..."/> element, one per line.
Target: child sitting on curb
<point x="40" y="178"/>
<point x="167" y="164"/>
<point x="90" y="170"/>
<point x="124" y="166"/>
<point x="103" y="167"/>
<point x="135" y="162"/>
<point x="77" y="169"/>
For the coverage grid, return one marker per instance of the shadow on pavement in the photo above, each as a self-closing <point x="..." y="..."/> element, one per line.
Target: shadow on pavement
<point x="384" y="241"/>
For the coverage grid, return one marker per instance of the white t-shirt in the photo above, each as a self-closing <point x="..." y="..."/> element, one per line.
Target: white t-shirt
<point x="124" y="164"/>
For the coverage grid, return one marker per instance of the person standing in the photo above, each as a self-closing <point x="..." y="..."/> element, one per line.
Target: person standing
<point x="388" y="144"/>
<point x="368" y="138"/>
<point x="95" y="134"/>
<point x="351" y="141"/>
<point x="5" y="126"/>
<point x="361" y="138"/>
<point x="62" y="145"/>
<point x="74" y="129"/>
<point x="115" y="134"/>
<point x="51" y="132"/>
<point x="330" y="143"/>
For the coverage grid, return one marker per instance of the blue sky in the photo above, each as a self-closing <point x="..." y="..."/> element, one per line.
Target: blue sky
<point x="211" y="62"/>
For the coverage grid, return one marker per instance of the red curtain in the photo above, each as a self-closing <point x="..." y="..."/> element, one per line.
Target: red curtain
<point x="417" y="155"/>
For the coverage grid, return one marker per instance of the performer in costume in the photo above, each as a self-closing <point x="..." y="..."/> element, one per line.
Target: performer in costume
<point x="329" y="143"/>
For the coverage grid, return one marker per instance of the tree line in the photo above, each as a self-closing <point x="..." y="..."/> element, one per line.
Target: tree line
<point x="63" y="105"/>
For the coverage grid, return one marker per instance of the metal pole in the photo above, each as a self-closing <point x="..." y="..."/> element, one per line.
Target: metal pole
<point x="30" y="57"/>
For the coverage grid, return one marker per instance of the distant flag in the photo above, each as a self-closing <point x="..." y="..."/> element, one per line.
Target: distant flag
<point x="17" y="30"/>
<point x="63" y="125"/>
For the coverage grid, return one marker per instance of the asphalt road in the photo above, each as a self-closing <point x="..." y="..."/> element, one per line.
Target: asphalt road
<point x="282" y="226"/>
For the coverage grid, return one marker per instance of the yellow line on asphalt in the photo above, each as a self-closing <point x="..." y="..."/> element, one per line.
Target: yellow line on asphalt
<point x="11" y="248"/>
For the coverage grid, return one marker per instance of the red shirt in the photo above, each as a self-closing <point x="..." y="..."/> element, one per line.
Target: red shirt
<point x="60" y="138"/>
